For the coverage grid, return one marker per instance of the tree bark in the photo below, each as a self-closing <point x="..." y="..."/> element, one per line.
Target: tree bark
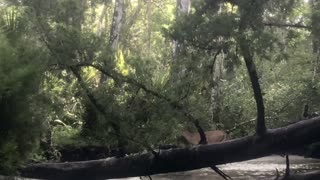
<point x="116" y="23"/>
<point x="274" y="141"/>
<point x="217" y="70"/>
<point x="183" y="8"/>
<point x="315" y="16"/>
<point x="101" y="18"/>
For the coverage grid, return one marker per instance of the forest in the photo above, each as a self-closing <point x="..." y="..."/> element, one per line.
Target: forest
<point x="99" y="89"/>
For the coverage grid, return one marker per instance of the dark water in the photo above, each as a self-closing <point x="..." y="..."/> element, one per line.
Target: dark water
<point x="263" y="168"/>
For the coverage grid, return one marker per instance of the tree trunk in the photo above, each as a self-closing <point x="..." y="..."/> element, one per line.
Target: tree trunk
<point x="117" y="20"/>
<point x="183" y="8"/>
<point x="274" y="141"/>
<point x="255" y="9"/>
<point x="216" y="88"/>
<point x="100" y="28"/>
<point x="315" y="31"/>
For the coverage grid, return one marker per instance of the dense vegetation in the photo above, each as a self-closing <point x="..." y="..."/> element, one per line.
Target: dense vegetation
<point x="132" y="75"/>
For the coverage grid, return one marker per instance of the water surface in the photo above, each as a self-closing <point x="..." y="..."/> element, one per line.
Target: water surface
<point x="262" y="168"/>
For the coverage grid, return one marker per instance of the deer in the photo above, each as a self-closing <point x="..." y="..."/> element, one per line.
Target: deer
<point x="213" y="137"/>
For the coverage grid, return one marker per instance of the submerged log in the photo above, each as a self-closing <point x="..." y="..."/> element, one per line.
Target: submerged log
<point x="274" y="141"/>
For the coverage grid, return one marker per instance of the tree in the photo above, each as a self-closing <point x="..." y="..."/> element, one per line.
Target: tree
<point x="20" y="95"/>
<point x="182" y="159"/>
<point x="149" y="95"/>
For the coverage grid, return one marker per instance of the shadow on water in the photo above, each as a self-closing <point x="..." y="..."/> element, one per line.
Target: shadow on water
<point x="262" y="168"/>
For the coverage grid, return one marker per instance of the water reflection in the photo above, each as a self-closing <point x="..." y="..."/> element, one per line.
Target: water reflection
<point x="262" y="168"/>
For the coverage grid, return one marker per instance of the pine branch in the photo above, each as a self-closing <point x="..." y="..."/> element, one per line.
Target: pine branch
<point x="285" y="25"/>
<point x="120" y="78"/>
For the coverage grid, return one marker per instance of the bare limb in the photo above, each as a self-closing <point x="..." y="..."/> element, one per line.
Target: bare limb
<point x="221" y="173"/>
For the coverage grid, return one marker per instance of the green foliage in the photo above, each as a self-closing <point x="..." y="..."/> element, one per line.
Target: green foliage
<point x="36" y="97"/>
<point x="19" y="76"/>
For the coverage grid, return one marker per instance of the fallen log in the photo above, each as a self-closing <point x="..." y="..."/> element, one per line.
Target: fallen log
<point x="274" y="141"/>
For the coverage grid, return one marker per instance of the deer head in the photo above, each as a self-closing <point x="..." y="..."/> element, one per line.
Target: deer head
<point x="212" y="137"/>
